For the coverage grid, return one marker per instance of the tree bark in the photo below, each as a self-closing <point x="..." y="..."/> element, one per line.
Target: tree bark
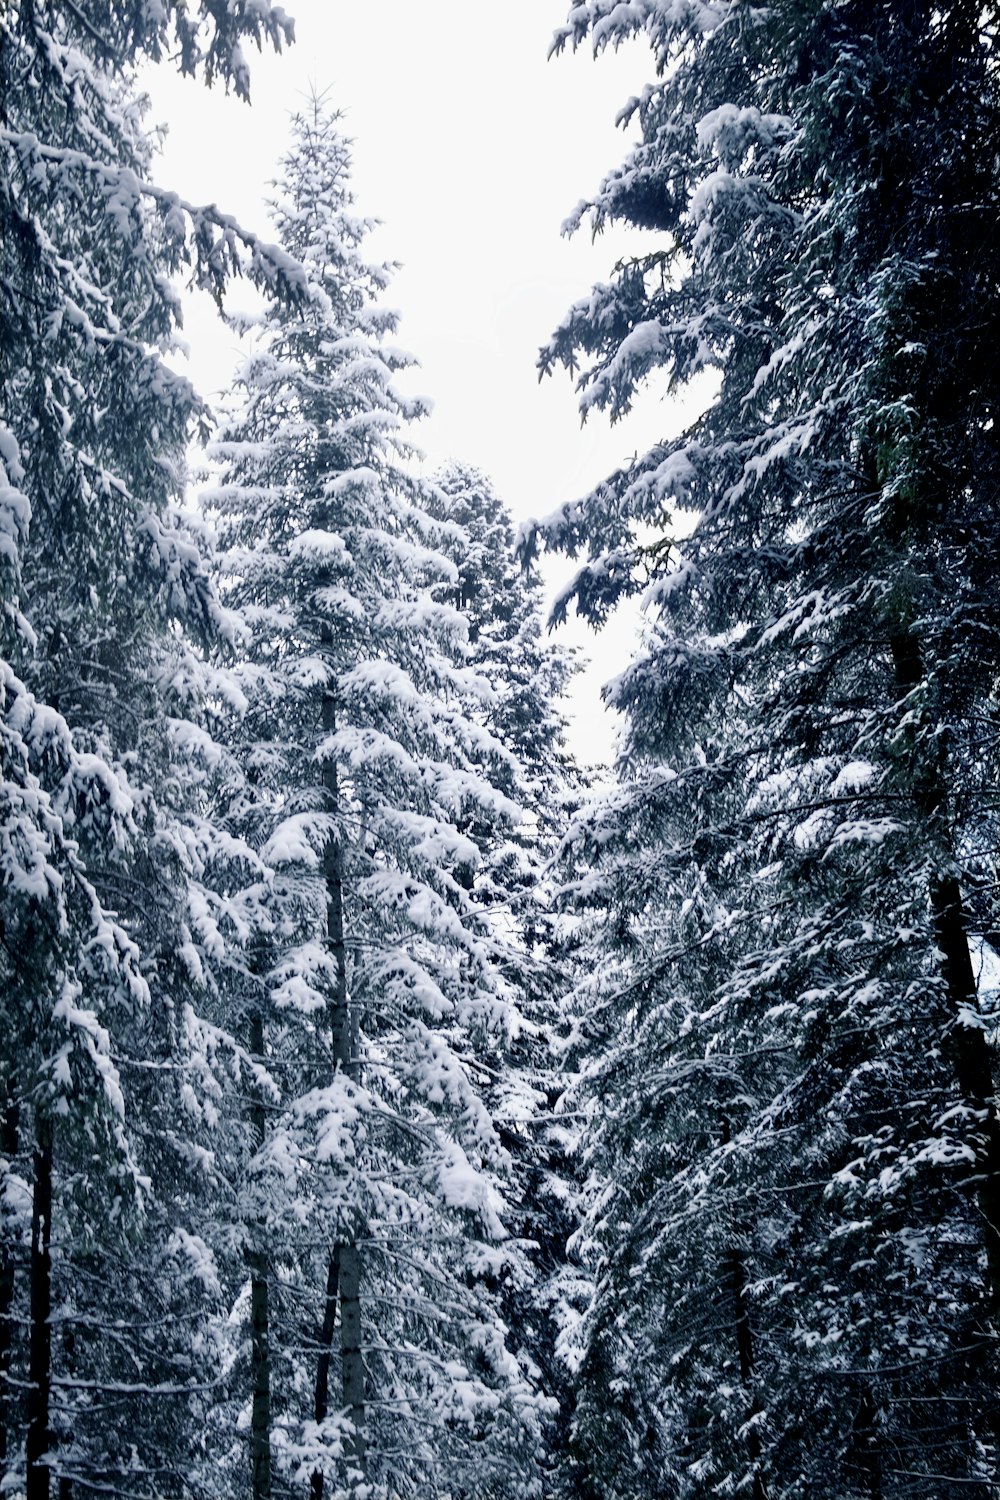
<point x="260" y="1350"/>
<point x="735" y="1273"/>
<point x="40" y="1353"/>
<point x="351" y="1352"/>
<point x="322" y="1405"/>
<point x="8" y="1144"/>
<point x="864" y="1438"/>
<point x="343" y="1021"/>
<point x="966" y="1045"/>
<point x="260" y="1417"/>
<point x="736" y="1276"/>
<point x="344" y="1272"/>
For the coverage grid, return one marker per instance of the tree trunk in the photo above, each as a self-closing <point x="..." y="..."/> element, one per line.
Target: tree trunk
<point x="864" y="1440"/>
<point x="735" y="1272"/>
<point x="322" y="1405"/>
<point x="343" y="1022"/>
<point x="40" y="1354"/>
<point x="260" y="1351"/>
<point x="351" y="1353"/>
<point x="966" y="1045"/>
<point x="260" y="1416"/>
<point x="736" y="1276"/>
<point x="343" y="1284"/>
<point x="8" y="1145"/>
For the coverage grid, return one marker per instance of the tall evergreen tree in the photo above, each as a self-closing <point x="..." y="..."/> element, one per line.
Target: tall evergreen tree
<point x="805" y="1246"/>
<point x="101" y="576"/>
<point x="527" y="676"/>
<point x="379" y="1366"/>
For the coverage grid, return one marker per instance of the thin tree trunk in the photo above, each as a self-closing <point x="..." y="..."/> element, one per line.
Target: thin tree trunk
<point x="322" y="1405"/>
<point x="736" y="1276"/>
<point x="260" y="1416"/>
<point x="343" y="1284"/>
<point x="40" y="1353"/>
<point x="736" y="1280"/>
<point x="864" y="1439"/>
<point x="966" y="1046"/>
<point x="8" y="1144"/>
<point x="343" y="1022"/>
<point x="260" y="1349"/>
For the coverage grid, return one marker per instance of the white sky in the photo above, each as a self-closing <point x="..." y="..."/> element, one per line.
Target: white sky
<point x="471" y="147"/>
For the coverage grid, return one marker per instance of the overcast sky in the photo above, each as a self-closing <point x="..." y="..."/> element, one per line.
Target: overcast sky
<point x="471" y="147"/>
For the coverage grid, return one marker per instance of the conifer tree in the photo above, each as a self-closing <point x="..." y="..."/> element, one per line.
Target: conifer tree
<point x="379" y="1366"/>
<point x="101" y="576"/>
<point x="527" y="676"/>
<point x="785" y="1015"/>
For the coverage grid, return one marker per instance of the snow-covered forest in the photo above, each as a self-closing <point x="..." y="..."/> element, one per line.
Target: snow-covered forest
<point x="393" y="1105"/>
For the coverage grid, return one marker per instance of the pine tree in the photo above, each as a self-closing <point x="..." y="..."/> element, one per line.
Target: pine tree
<point x="377" y="1225"/>
<point x="786" y="1014"/>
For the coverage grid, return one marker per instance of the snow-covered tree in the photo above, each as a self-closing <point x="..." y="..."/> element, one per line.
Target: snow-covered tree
<point x="378" y="1362"/>
<point x="100" y="579"/>
<point x="527" y="676"/>
<point x="794" y="1230"/>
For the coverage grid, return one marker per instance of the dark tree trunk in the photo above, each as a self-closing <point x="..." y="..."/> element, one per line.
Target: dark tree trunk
<point x="260" y="1417"/>
<point x="864" y="1441"/>
<point x="329" y="1323"/>
<point x="735" y="1272"/>
<point x="343" y="1282"/>
<point x="260" y="1350"/>
<point x="8" y="1145"/>
<point x="343" y="1020"/>
<point x="736" y="1277"/>
<point x="351" y="1353"/>
<point x="966" y="1045"/>
<point x="40" y="1354"/>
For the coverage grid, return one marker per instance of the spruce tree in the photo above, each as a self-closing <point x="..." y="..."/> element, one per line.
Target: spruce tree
<point x="102" y="578"/>
<point x="378" y="1363"/>
<point x="527" y="676"/>
<point x="786" y="1014"/>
